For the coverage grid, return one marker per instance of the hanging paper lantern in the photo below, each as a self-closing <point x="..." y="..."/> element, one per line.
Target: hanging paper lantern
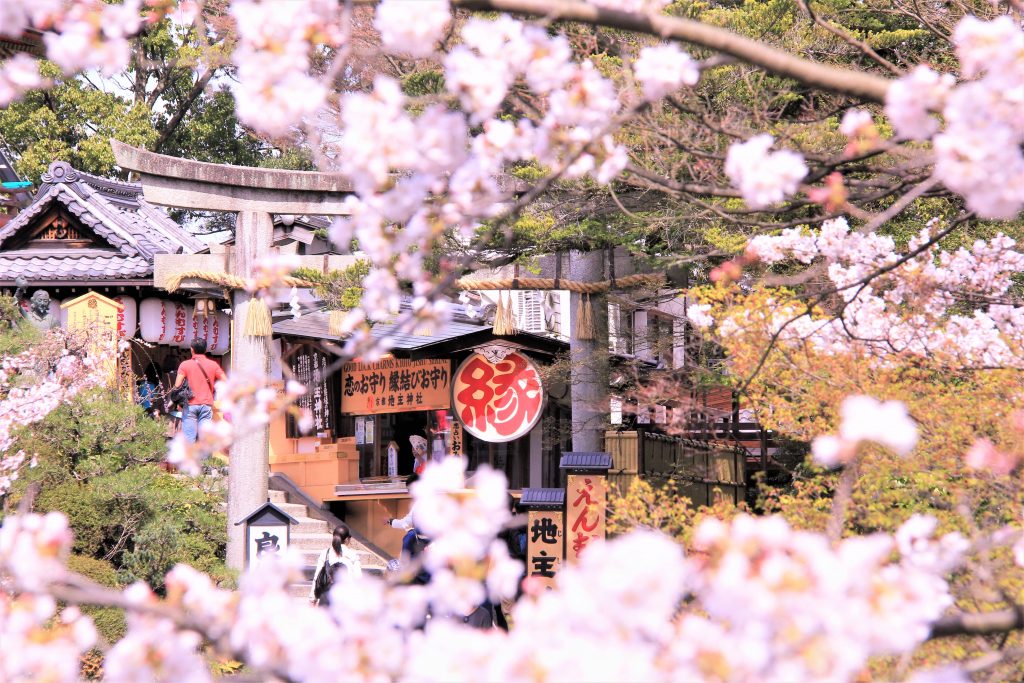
<point x="219" y="340"/>
<point x="189" y="330"/>
<point x="177" y="324"/>
<point x="127" y="320"/>
<point x="62" y="313"/>
<point x="152" y="319"/>
<point x="55" y="308"/>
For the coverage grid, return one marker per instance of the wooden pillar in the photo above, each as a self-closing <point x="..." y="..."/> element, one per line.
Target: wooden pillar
<point x="250" y="452"/>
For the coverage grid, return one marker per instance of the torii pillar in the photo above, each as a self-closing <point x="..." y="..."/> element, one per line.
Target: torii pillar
<point x="255" y="194"/>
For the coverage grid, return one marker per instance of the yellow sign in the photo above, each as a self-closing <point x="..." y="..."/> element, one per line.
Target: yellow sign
<point x="586" y="498"/>
<point x="95" y="317"/>
<point x="395" y="385"/>
<point x="545" y="546"/>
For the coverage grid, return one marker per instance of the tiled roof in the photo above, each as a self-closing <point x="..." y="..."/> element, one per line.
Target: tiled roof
<point x="35" y="267"/>
<point x="314" y="326"/>
<point x="542" y="499"/>
<point x="581" y="460"/>
<point x="115" y="211"/>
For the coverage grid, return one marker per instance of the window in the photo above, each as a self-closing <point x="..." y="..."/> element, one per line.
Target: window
<point x="620" y="329"/>
<point x="661" y="338"/>
<point x="530" y="311"/>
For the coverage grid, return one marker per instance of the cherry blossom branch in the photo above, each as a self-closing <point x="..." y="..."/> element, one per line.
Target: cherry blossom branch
<point x="979" y="624"/>
<point x="845" y="81"/>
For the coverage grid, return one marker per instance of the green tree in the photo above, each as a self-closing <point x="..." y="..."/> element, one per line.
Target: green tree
<point x="98" y="462"/>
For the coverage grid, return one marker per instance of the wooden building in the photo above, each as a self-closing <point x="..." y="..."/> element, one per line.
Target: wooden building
<point x="82" y="233"/>
<point x="359" y="411"/>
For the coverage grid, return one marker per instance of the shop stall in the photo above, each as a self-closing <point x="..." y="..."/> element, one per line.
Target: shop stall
<point x="461" y="391"/>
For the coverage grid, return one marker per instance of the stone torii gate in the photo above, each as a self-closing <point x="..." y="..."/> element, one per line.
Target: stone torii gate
<point x="255" y="194"/>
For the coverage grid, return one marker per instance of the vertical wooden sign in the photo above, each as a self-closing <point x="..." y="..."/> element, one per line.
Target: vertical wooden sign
<point x="455" y="438"/>
<point x="544" y="547"/>
<point x="545" y="534"/>
<point x="586" y="498"/>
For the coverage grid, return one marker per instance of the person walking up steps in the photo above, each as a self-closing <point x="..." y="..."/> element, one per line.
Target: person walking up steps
<point x="331" y="560"/>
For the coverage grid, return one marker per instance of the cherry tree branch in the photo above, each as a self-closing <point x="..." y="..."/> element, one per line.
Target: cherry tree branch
<point x="979" y="624"/>
<point x="839" y="80"/>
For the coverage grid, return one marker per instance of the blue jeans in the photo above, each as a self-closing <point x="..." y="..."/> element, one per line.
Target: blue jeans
<point x="195" y="415"/>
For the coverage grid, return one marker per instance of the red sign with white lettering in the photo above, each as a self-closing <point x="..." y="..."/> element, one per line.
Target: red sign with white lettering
<point x="498" y="402"/>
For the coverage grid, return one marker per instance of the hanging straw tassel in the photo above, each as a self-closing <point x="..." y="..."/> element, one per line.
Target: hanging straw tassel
<point x="335" y="320"/>
<point x="498" y="327"/>
<point x="504" y="319"/>
<point x="585" y="319"/>
<point x="257" y="319"/>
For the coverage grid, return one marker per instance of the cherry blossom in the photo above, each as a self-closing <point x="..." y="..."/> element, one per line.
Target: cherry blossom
<point x="908" y="309"/>
<point x="19" y="75"/>
<point x="412" y="27"/>
<point x="764" y="178"/>
<point x="911" y="99"/>
<point x="663" y="69"/>
<point x="983" y="455"/>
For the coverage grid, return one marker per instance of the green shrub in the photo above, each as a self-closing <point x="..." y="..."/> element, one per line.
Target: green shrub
<point x="109" y="620"/>
<point x="97" y="464"/>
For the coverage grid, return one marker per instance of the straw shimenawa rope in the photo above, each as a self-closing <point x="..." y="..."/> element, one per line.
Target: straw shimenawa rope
<point x="258" y="320"/>
<point x="541" y="283"/>
<point x="173" y="282"/>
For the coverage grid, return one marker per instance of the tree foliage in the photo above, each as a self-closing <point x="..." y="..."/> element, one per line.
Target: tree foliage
<point x="97" y="462"/>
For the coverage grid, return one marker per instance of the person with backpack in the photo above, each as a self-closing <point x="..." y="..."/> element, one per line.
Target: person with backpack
<point x="194" y="388"/>
<point x="331" y="560"/>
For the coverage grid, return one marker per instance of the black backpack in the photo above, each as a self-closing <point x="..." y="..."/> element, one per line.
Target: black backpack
<point x="324" y="580"/>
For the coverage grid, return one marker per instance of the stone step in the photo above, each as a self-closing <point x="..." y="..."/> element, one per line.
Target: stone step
<point x="308" y="525"/>
<point x="366" y="559"/>
<point x="307" y="541"/>
<point x="294" y="509"/>
<point x="278" y="497"/>
<point x="299" y="590"/>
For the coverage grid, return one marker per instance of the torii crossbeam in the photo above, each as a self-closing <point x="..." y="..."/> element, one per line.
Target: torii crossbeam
<point x="255" y="194"/>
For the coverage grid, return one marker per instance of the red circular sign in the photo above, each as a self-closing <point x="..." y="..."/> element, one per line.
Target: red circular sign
<point x="500" y="401"/>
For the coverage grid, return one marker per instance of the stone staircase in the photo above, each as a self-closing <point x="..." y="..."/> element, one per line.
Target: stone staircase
<point x="310" y="537"/>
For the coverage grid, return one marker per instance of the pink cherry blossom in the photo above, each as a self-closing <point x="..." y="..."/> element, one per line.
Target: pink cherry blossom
<point x="412" y="27"/>
<point x="663" y="69"/>
<point x="763" y="177"/>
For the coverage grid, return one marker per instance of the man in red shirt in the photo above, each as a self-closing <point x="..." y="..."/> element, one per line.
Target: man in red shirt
<point x="202" y="373"/>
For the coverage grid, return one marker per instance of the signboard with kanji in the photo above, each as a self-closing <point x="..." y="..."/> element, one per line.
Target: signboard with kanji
<point x="267" y="533"/>
<point x="455" y="439"/>
<point x="544" y="540"/>
<point x="395" y="385"/>
<point x="498" y="401"/>
<point x="96" y="316"/>
<point x="310" y="365"/>
<point x="586" y="498"/>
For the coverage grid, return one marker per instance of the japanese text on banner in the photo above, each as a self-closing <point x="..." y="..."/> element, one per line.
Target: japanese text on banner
<point x="586" y="497"/>
<point x="395" y="386"/>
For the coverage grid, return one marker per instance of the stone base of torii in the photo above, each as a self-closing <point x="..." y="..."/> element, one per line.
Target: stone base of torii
<point x="255" y="195"/>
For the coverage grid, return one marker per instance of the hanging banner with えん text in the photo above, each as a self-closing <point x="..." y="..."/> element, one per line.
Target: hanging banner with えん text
<point x="499" y="401"/>
<point x="395" y="386"/>
<point x="586" y="499"/>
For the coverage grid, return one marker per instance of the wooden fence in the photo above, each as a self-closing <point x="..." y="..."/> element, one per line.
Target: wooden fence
<point x="702" y="472"/>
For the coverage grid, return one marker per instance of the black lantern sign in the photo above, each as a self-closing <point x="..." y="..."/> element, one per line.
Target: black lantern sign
<point x="267" y="532"/>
